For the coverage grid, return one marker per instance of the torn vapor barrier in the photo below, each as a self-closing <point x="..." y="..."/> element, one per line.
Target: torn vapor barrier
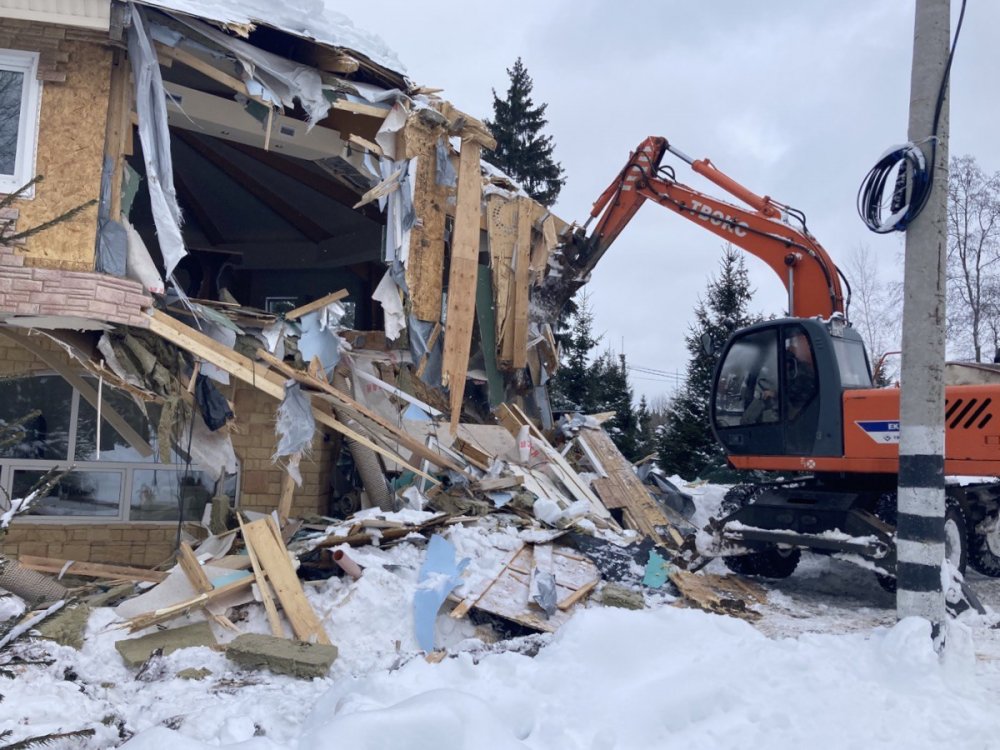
<point x="151" y="106"/>
<point x="295" y="428"/>
<point x="112" y="239"/>
<point x="390" y="296"/>
<point x="271" y="77"/>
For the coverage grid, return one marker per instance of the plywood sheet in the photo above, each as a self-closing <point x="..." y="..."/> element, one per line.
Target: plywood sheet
<point x="425" y="267"/>
<point x="70" y="156"/>
<point x="502" y="227"/>
<point x="509" y="596"/>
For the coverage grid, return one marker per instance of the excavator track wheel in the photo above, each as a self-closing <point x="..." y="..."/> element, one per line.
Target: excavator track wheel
<point x="769" y="561"/>
<point x="984" y="544"/>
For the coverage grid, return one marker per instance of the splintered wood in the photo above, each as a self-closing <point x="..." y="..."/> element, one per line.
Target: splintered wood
<point x="621" y="488"/>
<point x="462" y="279"/>
<point x="272" y="557"/>
<point x="508" y="594"/>
<point x="724" y="595"/>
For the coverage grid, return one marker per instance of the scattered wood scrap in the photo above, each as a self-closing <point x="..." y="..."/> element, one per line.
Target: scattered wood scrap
<point x="90" y="570"/>
<point x="622" y="489"/>
<point x="508" y="594"/>
<point x="724" y="595"/>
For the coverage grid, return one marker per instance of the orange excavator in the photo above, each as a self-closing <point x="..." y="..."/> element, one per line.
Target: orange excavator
<point x="795" y="396"/>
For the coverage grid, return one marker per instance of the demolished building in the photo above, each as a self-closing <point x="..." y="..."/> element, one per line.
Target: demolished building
<point x="256" y="251"/>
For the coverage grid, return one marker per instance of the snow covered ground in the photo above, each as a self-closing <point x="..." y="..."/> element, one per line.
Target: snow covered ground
<point x="827" y="666"/>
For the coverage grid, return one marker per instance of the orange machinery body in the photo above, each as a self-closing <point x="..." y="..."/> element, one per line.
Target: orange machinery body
<point x="972" y="436"/>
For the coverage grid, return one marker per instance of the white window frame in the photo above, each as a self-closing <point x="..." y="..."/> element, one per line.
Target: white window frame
<point x="21" y="61"/>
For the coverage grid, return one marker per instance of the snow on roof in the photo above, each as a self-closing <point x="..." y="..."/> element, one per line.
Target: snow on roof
<point x="311" y="19"/>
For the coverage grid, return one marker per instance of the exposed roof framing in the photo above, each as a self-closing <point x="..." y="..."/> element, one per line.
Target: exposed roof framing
<point x="275" y="201"/>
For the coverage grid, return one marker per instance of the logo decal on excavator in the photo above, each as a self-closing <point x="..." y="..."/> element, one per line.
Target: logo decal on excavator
<point x="881" y="430"/>
<point x="719" y="219"/>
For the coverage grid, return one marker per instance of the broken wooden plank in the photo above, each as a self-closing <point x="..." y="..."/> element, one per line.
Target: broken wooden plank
<point x="522" y="277"/>
<point x="578" y="595"/>
<point x="255" y="375"/>
<point x="398" y="434"/>
<point x="462" y="278"/>
<point x="315" y="305"/>
<point x="205" y="68"/>
<point x="271" y="611"/>
<point x="192" y="569"/>
<point x="165" y="614"/>
<point x="364" y="143"/>
<point x="492" y="484"/>
<point x="89" y="569"/>
<point x="476" y="456"/>
<point x="273" y="559"/>
<point x="726" y="595"/>
<point x="621" y="488"/>
<point x="472" y="599"/>
<point x="285" y="500"/>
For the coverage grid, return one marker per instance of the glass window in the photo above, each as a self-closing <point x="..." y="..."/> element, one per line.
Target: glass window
<point x="19" y="97"/>
<point x="748" y="381"/>
<point x="118" y="482"/>
<point x="11" y="88"/>
<point x="801" y="382"/>
<point x="45" y="436"/>
<point x="157" y="494"/>
<point x="79" y="493"/>
<point x="113" y="446"/>
<point x="853" y="363"/>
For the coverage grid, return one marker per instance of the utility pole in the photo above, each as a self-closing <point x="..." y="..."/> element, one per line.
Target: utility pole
<point x="920" y="546"/>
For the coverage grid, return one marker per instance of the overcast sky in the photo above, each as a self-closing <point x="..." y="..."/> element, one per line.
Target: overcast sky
<point x="794" y="99"/>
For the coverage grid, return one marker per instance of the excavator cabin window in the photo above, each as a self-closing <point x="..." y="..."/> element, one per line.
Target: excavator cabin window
<point x="748" y="390"/>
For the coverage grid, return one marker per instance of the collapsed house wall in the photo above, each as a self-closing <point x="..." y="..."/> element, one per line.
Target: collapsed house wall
<point x="385" y="197"/>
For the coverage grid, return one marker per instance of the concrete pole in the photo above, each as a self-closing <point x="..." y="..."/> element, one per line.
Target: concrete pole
<point x="920" y="529"/>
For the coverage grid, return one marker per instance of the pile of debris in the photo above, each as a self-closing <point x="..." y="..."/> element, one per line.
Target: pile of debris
<point x="560" y="524"/>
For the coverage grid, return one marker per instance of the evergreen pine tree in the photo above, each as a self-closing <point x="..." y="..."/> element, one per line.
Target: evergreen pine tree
<point x="573" y="387"/>
<point x="609" y="374"/>
<point x="522" y="151"/>
<point x="646" y="440"/>
<point x="686" y="445"/>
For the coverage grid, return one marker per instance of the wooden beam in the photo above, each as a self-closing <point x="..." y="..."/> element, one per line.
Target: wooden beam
<point x="87" y="392"/>
<point x="315" y="305"/>
<point x="273" y="559"/>
<point x="359" y="108"/>
<point x="256" y="375"/>
<point x="285" y="499"/>
<point x="119" y="105"/>
<point x="522" y="277"/>
<point x="400" y="435"/>
<point x="192" y="569"/>
<point x="90" y="570"/>
<point x="364" y="143"/>
<point x="273" y="621"/>
<point x="267" y="194"/>
<point x="462" y="278"/>
<point x="205" y="68"/>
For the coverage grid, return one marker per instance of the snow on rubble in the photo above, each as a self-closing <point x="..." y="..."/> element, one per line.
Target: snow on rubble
<point x="826" y="667"/>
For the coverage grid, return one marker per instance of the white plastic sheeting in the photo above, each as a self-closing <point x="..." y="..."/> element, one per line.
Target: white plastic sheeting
<point x="151" y="105"/>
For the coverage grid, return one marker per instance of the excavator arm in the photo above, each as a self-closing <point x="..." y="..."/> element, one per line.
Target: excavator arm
<point x="811" y="278"/>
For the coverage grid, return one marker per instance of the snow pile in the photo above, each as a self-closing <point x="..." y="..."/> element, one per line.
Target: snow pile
<point x="660" y="678"/>
<point x="311" y="19"/>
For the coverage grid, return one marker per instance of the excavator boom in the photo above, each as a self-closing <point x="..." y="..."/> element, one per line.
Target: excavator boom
<point x="810" y="277"/>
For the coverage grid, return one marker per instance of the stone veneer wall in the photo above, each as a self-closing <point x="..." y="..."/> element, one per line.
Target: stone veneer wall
<point x="84" y="294"/>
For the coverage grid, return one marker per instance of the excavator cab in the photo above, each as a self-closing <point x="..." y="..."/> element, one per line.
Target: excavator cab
<point x="779" y="385"/>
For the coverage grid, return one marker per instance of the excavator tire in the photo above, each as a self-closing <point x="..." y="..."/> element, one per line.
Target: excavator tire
<point x="958" y="539"/>
<point x="768" y="561"/>
<point x="984" y="545"/>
